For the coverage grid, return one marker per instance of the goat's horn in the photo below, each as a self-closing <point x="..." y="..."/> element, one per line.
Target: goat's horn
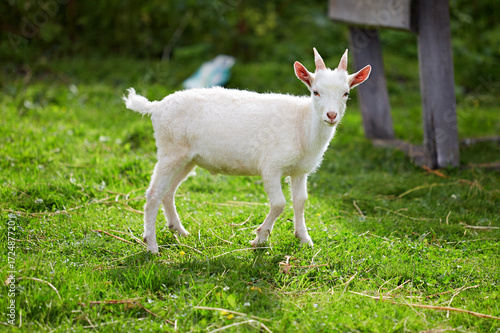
<point x="318" y="60"/>
<point x="343" y="61"/>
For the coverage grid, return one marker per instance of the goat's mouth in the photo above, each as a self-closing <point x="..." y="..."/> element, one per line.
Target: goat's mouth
<point x="330" y="123"/>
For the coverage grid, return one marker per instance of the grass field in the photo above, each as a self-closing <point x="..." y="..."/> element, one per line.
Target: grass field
<point x="397" y="248"/>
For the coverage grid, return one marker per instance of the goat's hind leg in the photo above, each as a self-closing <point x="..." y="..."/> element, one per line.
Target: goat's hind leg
<point x="164" y="174"/>
<point x="169" y="210"/>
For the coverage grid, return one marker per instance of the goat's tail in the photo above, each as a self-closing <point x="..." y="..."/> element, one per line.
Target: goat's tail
<point x="138" y="103"/>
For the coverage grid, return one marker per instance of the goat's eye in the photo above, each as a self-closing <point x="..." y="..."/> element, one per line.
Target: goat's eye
<point x="316" y="93"/>
<point x="346" y="94"/>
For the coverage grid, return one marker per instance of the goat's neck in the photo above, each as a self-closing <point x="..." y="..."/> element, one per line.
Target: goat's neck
<point x="320" y="134"/>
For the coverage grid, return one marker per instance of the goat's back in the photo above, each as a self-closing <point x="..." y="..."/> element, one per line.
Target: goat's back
<point x="232" y="131"/>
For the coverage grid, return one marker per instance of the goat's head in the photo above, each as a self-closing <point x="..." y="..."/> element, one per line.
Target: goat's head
<point x="330" y="88"/>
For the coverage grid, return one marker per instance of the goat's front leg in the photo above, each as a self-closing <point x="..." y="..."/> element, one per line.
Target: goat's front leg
<point x="299" y="197"/>
<point x="272" y="186"/>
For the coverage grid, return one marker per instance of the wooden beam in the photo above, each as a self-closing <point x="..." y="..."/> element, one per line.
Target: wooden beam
<point x="473" y="141"/>
<point x="373" y="96"/>
<point x="388" y="14"/>
<point x="489" y="166"/>
<point x="437" y="83"/>
<point x="416" y="153"/>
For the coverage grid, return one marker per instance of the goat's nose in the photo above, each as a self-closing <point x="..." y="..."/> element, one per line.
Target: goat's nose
<point x="331" y="115"/>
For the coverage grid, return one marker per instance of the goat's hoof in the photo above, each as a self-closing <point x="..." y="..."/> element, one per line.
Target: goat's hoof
<point x="153" y="248"/>
<point x="309" y="243"/>
<point x="180" y="229"/>
<point x="306" y="240"/>
<point x="258" y="241"/>
<point x="183" y="232"/>
<point x="152" y="245"/>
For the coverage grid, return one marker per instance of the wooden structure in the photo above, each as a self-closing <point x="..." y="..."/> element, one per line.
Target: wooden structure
<point x="430" y="20"/>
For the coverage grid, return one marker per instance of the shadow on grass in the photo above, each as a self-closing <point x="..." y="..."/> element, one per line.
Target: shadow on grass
<point x="235" y="282"/>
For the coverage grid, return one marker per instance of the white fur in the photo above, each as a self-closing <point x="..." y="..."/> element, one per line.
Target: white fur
<point x="238" y="132"/>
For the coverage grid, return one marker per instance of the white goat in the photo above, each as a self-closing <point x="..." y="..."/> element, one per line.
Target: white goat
<point x="238" y="132"/>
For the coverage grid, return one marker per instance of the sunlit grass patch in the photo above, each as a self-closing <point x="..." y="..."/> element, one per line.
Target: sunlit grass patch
<point x="75" y="165"/>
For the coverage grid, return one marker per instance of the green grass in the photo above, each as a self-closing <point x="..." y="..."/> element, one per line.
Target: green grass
<point x="73" y="161"/>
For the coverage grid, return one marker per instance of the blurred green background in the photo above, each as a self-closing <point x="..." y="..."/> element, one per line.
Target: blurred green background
<point x="39" y="32"/>
<point x="155" y="45"/>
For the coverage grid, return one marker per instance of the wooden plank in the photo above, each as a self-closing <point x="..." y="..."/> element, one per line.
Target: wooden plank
<point x="473" y="141"/>
<point x="373" y="96"/>
<point x="416" y="153"/>
<point x="373" y="13"/>
<point x="489" y="166"/>
<point x="437" y="83"/>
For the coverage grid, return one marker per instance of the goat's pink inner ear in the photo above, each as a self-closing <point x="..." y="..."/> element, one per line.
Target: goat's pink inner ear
<point x="303" y="74"/>
<point x="360" y="76"/>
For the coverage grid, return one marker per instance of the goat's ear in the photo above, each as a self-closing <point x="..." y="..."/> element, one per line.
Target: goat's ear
<point x="320" y="64"/>
<point x="343" y="62"/>
<point x="359" y="77"/>
<point x="303" y="74"/>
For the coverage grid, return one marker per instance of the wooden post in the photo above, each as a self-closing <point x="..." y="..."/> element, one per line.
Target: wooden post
<point x="437" y="83"/>
<point x="373" y="96"/>
<point x="430" y="18"/>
